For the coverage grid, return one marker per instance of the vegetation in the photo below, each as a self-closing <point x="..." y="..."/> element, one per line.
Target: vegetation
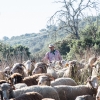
<point x="36" y="44"/>
<point x="9" y="55"/>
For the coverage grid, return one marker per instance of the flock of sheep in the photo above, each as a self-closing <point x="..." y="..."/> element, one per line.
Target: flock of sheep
<point x="70" y="80"/>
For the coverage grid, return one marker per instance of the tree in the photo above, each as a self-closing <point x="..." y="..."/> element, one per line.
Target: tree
<point x="5" y="38"/>
<point x="63" y="47"/>
<point x="71" y="13"/>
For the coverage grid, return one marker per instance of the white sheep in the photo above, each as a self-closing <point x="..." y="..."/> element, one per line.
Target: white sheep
<point x="20" y="85"/>
<point x="7" y="70"/>
<point x="29" y="96"/>
<point x="40" y="67"/>
<point x="29" y="65"/>
<point x="96" y="68"/>
<point x="47" y="80"/>
<point x="85" y="97"/>
<point x="4" y="74"/>
<point x="52" y="72"/>
<point x="92" y="60"/>
<point x="71" y="71"/>
<point x="19" y="68"/>
<point x="71" y="92"/>
<point x="76" y="63"/>
<point x="45" y="91"/>
<point x="61" y="72"/>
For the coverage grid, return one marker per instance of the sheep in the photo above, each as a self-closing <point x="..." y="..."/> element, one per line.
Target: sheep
<point x="71" y="71"/>
<point x="29" y="96"/>
<point x="30" y="80"/>
<point x="7" y="71"/>
<point x="15" y="86"/>
<point x="40" y="67"/>
<point x="96" y="68"/>
<point x="45" y="91"/>
<point x="46" y="80"/>
<point x="68" y="72"/>
<point x="76" y="72"/>
<point x="63" y="62"/>
<point x="92" y="60"/>
<point x="15" y="78"/>
<point x="76" y="63"/>
<point x="55" y="64"/>
<point x="29" y="65"/>
<point x="19" y="68"/>
<point x="85" y="97"/>
<point x="2" y="75"/>
<point x="61" y="72"/>
<point x="71" y="92"/>
<point x="98" y="94"/>
<point x="19" y="85"/>
<point x="83" y="73"/>
<point x="52" y="72"/>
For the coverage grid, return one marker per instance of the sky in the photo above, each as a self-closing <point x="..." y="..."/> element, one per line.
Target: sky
<point x="19" y="17"/>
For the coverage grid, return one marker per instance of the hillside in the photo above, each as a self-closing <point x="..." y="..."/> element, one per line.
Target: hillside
<point x="35" y="41"/>
<point x="38" y="42"/>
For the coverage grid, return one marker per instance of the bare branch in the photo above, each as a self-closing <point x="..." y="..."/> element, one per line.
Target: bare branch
<point x="71" y="14"/>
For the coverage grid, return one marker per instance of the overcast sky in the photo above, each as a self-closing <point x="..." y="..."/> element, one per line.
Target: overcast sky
<point x="18" y="17"/>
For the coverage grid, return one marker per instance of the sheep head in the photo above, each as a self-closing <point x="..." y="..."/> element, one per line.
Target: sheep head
<point x="6" y="90"/>
<point x="44" y="80"/>
<point x="92" y="82"/>
<point x="40" y="67"/>
<point x="17" y="68"/>
<point x="15" y="78"/>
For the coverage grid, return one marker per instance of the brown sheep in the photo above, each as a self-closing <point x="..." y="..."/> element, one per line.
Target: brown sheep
<point x="15" y="78"/>
<point x="30" y="80"/>
<point x="29" y="96"/>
